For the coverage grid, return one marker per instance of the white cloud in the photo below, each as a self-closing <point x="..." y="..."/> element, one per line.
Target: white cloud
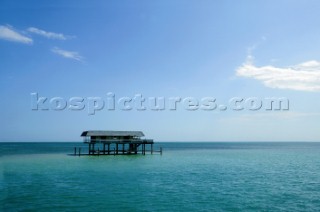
<point x="67" y="54"/>
<point x="50" y="35"/>
<point x="8" y="33"/>
<point x="303" y="77"/>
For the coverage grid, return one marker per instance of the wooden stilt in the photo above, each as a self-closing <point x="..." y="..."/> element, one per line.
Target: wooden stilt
<point x="108" y="149"/>
<point x="144" y="149"/>
<point x="117" y="148"/>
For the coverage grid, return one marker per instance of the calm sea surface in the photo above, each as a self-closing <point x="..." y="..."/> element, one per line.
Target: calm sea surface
<point x="186" y="177"/>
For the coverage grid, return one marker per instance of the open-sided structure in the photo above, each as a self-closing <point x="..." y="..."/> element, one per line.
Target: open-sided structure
<point x="116" y="142"/>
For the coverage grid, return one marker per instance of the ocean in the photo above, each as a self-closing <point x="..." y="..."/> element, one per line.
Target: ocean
<point x="188" y="176"/>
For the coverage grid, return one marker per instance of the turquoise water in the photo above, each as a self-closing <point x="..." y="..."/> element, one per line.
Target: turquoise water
<point x="187" y="177"/>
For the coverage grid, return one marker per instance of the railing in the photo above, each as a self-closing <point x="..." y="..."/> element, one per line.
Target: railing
<point x="135" y="140"/>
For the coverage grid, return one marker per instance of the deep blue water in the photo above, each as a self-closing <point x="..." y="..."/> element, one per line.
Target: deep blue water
<point x="238" y="176"/>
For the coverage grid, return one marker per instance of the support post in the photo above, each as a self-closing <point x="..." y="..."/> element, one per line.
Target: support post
<point x="142" y="149"/>
<point x="117" y="148"/>
<point x="79" y="151"/>
<point x="151" y="149"/>
<point x="160" y="150"/>
<point x="75" y="150"/>
<point x="123" y="149"/>
<point x="104" y="148"/>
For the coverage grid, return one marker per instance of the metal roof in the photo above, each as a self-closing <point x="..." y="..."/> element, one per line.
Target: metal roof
<point x="112" y="133"/>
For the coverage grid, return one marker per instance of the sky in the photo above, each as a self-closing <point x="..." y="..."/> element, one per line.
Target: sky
<point x="84" y="57"/>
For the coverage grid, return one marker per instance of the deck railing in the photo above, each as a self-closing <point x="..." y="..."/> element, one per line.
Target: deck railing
<point x="99" y="140"/>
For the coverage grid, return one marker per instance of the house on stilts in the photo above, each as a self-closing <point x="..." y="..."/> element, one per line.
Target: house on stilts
<point x="117" y="143"/>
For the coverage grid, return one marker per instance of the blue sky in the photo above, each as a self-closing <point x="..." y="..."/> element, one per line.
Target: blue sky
<point x="219" y="49"/>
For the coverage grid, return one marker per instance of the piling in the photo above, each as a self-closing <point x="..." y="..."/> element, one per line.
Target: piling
<point x="117" y="148"/>
<point x="144" y="149"/>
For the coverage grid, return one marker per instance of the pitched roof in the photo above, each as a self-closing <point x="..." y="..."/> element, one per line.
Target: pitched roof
<point x="112" y="133"/>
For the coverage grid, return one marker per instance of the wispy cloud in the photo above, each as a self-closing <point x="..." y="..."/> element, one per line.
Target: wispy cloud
<point x="67" y="54"/>
<point x="50" y="35"/>
<point x="10" y="34"/>
<point x="302" y="77"/>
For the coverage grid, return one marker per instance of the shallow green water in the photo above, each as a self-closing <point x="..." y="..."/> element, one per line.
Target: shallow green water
<point x="187" y="177"/>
